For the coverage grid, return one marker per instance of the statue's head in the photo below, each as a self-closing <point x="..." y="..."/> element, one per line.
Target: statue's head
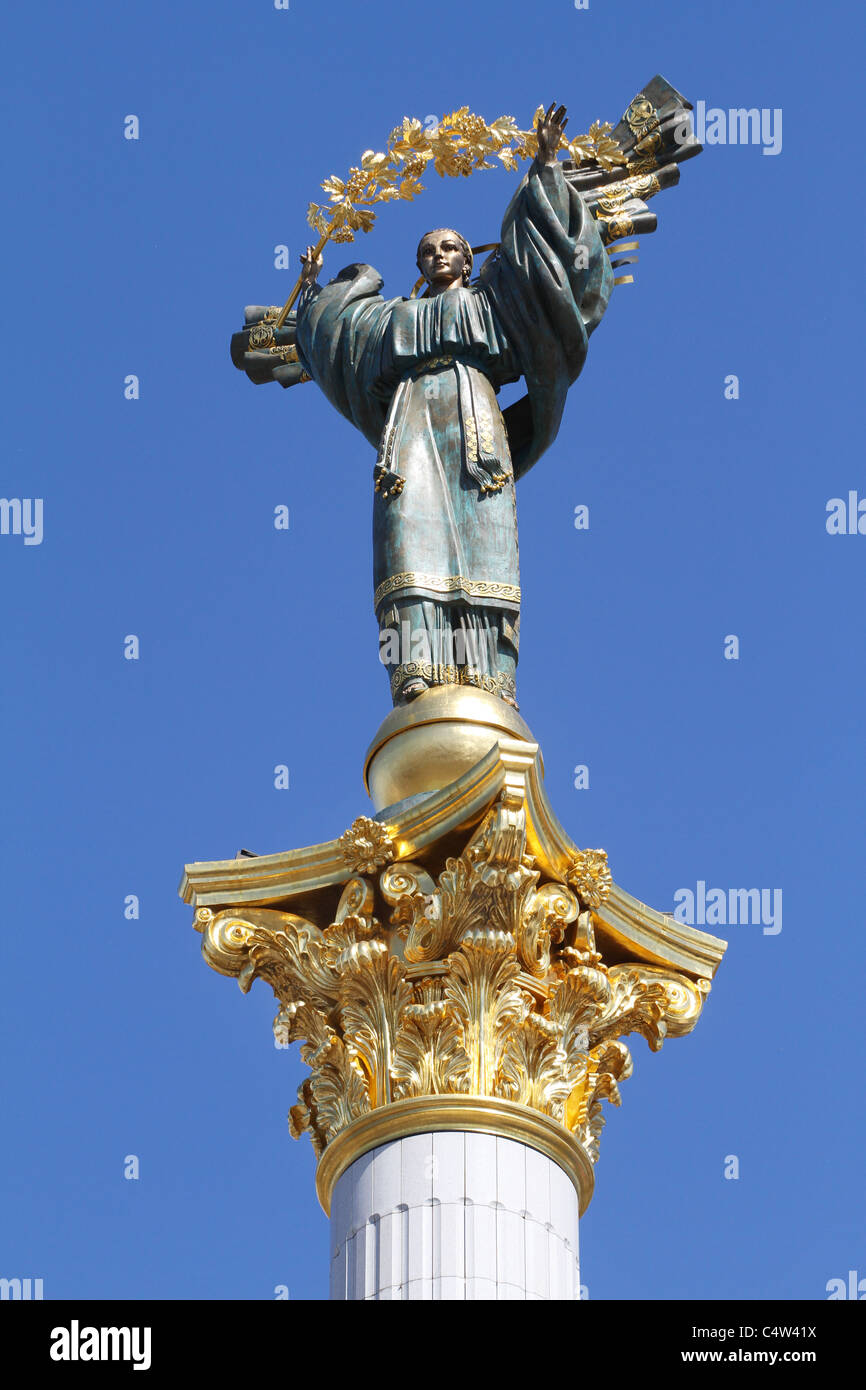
<point x="444" y="259"/>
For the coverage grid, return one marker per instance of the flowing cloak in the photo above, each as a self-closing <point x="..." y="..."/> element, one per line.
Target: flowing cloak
<point x="418" y="378"/>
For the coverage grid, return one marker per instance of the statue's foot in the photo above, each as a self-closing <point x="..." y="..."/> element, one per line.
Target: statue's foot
<point x="412" y="689"/>
<point x="510" y="701"/>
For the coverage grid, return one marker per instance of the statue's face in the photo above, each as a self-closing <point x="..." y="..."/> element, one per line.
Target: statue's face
<point x="441" y="260"/>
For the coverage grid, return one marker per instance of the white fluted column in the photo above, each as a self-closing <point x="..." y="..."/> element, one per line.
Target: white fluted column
<point x="454" y="1215"/>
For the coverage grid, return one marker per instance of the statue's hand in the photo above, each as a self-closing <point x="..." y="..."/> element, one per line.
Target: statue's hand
<point x="310" y="266"/>
<point x="550" y="130"/>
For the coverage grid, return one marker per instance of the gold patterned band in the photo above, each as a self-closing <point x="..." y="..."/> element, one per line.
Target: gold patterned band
<point x="430" y="364"/>
<point x="447" y="584"/>
<point x="288" y="352"/>
<point x="501" y="684"/>
<point x="615" y="194"/>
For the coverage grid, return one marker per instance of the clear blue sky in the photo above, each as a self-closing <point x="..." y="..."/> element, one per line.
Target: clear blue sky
<point x="258" y="647"/>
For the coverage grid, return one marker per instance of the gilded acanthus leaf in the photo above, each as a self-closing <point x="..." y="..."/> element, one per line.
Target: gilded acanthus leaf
<point x="334" y="1094"/>
<point x="574" y="1005"/>
<point x="291" y="957"/>
<point x="590" y="1132"/>
<point x="636" y="1005"/>
<point x="613" y="1063"/>
<point x="464" y="903"/>
<point x="301" y="1119"/>
<point x="428" y="1057"/>
<point x="604" y="1066"/>
<point x="337" y="1090"/>
<point x="534" y="1069"/>
<point x="351" y="943"/>
<point x="485" y="1003"/>
<point x="375" y="994"/>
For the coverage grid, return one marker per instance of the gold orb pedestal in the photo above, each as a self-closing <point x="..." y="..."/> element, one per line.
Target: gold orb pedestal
<point x="431" y="742"/>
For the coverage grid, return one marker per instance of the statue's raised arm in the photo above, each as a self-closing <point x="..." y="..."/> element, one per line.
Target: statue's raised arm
<point x="549" y="285"/>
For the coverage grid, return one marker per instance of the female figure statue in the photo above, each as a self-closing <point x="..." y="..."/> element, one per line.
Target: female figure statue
<point x="419" y="378"/>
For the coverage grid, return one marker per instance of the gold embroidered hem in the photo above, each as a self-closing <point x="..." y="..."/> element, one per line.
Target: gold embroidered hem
<point x="459" y="584"/>
<point x="501" y="684"/>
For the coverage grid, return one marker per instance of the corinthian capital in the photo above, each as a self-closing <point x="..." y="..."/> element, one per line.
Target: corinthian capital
<point x="473" y="975"/>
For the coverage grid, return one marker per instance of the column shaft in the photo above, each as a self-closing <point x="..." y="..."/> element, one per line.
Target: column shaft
<point x="454" y="1216"/>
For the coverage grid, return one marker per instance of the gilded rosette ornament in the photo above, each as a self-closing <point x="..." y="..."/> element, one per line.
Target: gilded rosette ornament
<point x="474" y="975"/>
<point x="366" y="845"/>
<point x="590" y="876"/>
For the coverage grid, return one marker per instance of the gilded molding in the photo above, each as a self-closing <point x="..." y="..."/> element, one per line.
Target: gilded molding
<point x="429" y="1115"/>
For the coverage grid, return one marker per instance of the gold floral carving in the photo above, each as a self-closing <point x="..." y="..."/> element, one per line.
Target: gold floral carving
<point x="366" y="845"/>
<point x="590" y="877"/>
<point x="479" y="980"/>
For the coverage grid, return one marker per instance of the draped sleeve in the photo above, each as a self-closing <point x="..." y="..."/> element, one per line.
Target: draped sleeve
<point x="340" y="330"/>
<point x="549" y="287"/>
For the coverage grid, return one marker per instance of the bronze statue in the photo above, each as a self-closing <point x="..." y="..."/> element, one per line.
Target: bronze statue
<point x="419" y="378"/>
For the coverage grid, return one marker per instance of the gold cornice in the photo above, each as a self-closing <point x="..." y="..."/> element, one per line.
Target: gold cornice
<point x="657" y="937"/>
<point x="475" y="1114"/>
<point x="512" y="766"/>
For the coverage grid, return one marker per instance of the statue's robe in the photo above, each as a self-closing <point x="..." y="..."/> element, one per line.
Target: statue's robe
<point x="419" y="379"/>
